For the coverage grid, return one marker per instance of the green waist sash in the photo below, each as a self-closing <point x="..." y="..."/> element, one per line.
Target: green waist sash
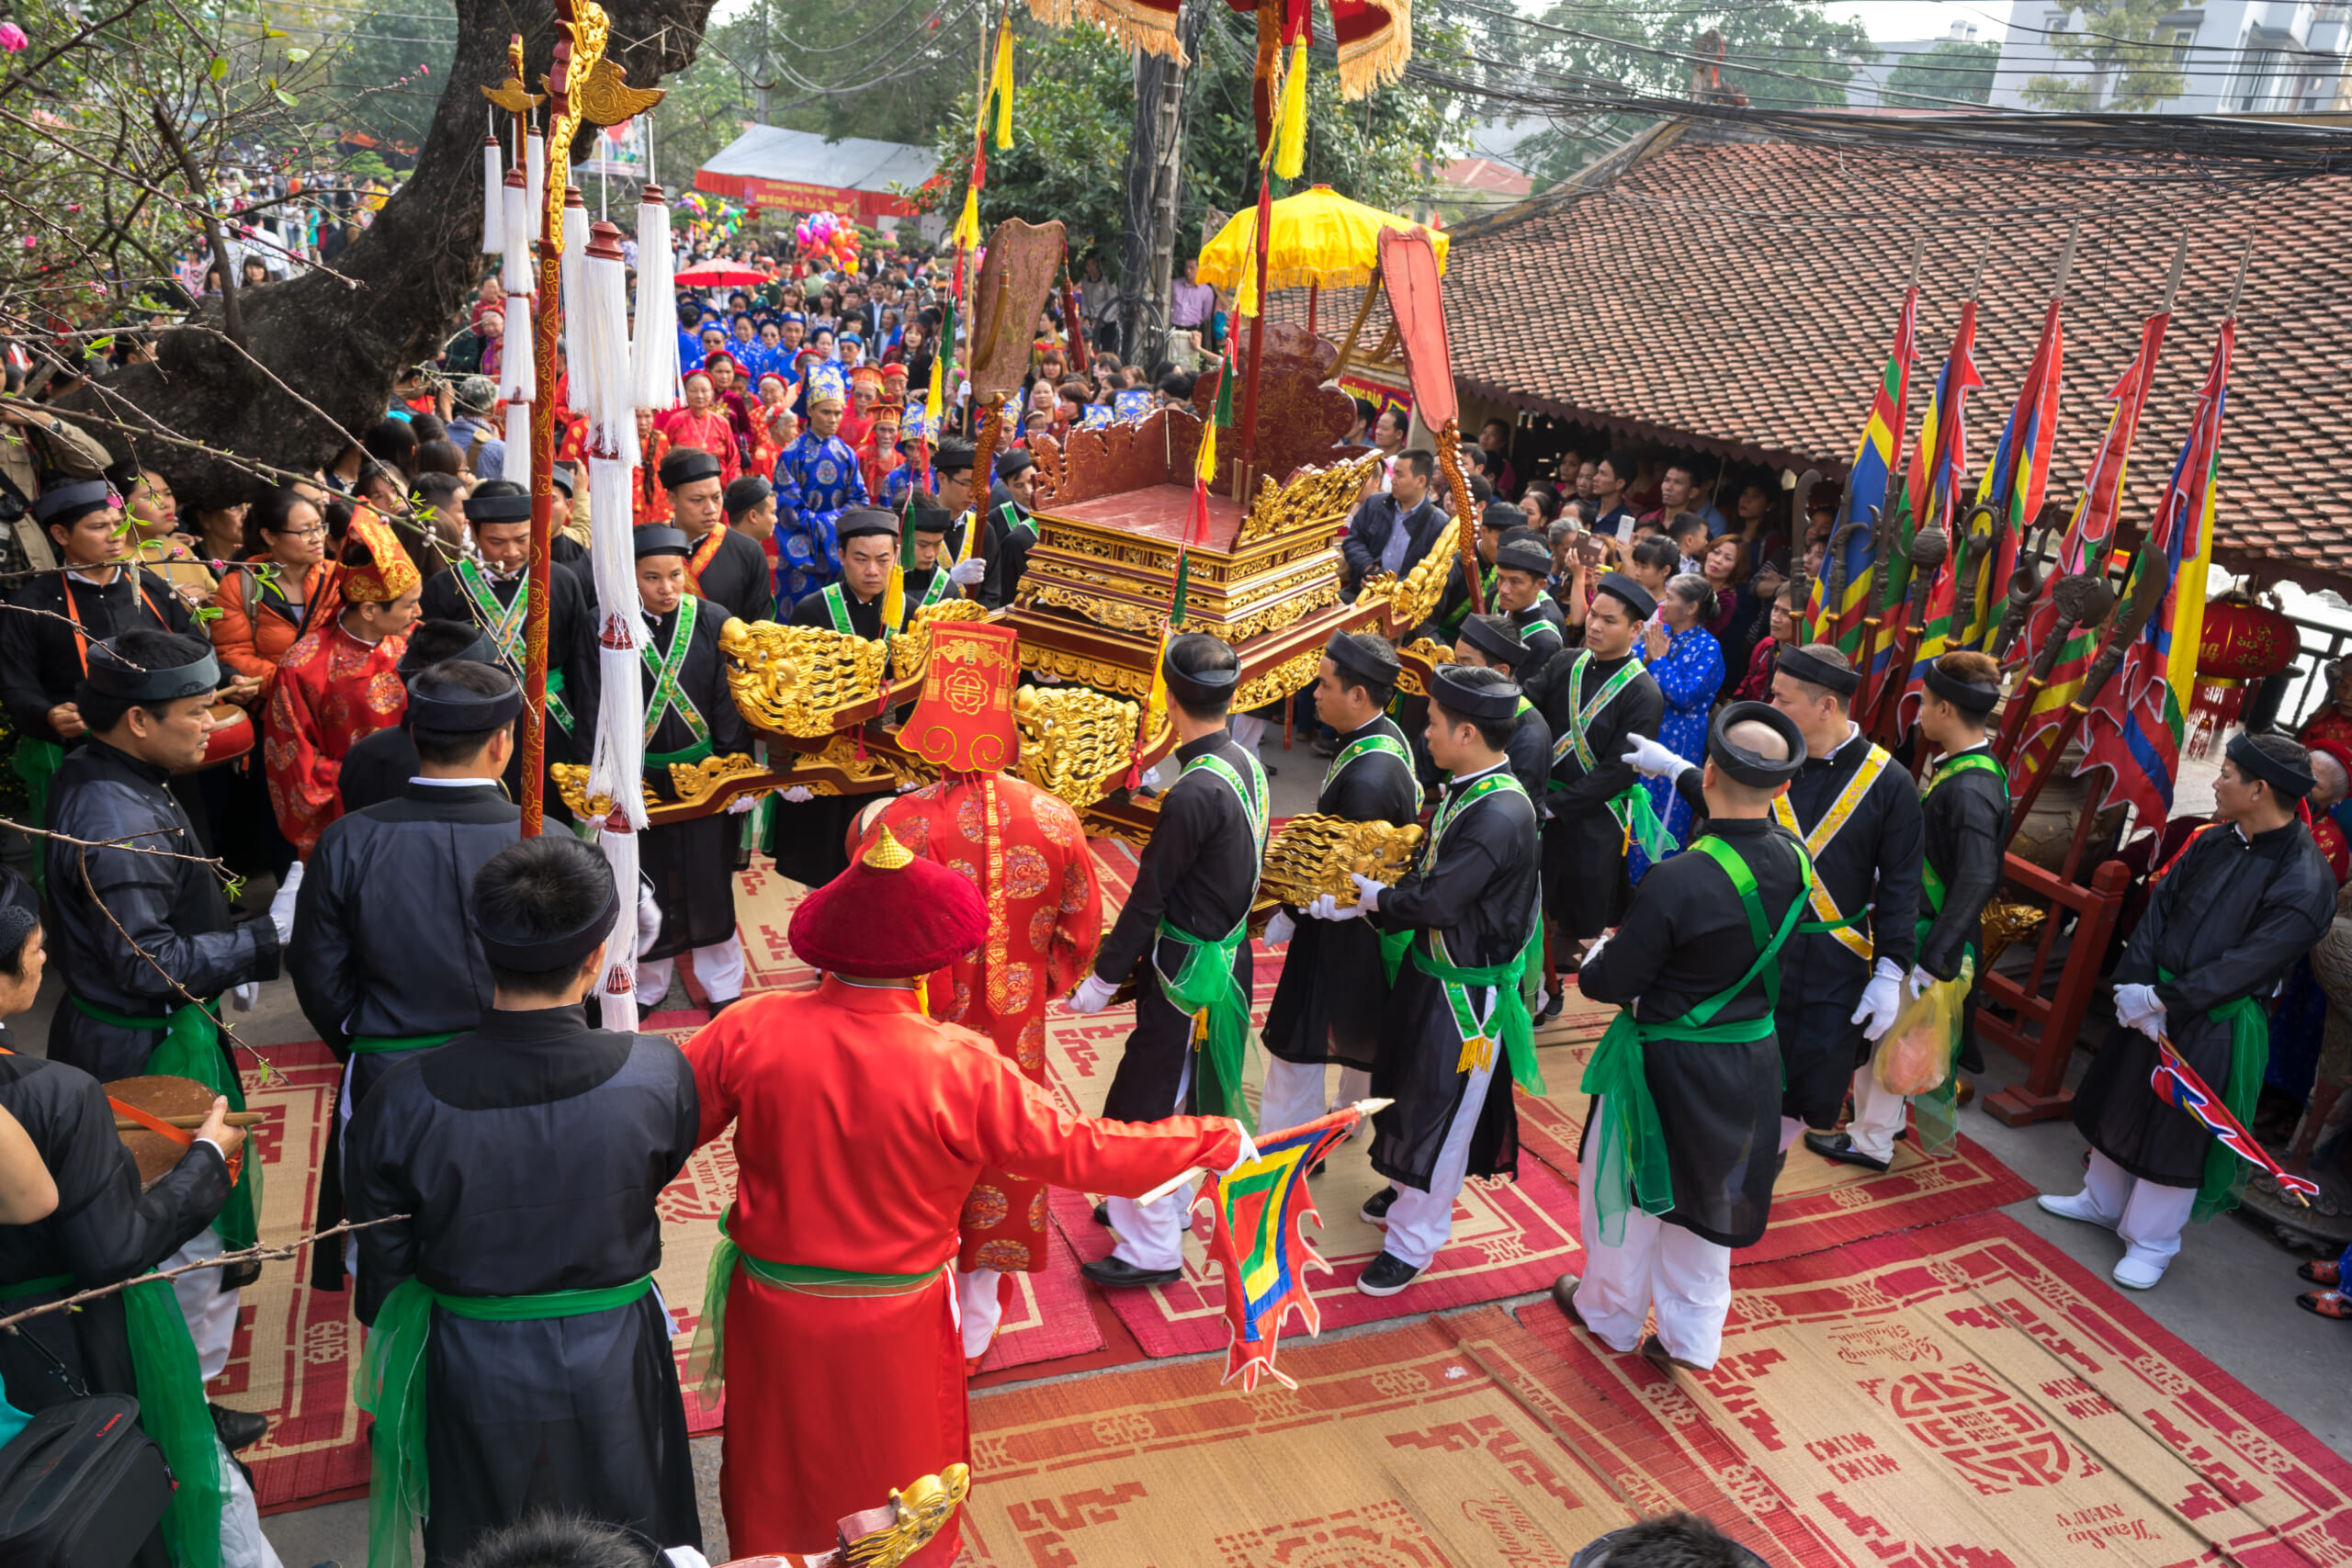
<point x="707" y="1359"/>
<point x="1509" y="1019"/>
<point x="690" y="756"/>
<point x="1636" y="817"/>
<point x="556" y="708"/>
<point x="36" y="762"/>
<point x="364" y="1045"/>
<point x="390" y="1387"/>
<point x="1204" y="986"/>
<point x="169" y="1383"/>
<point x="1823" y="928"/>
<point x="2217" y="1188"/>
<point x="192" y="1049"/>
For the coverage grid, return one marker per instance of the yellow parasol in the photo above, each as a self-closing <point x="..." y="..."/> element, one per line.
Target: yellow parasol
<point x="1319" y="237"/>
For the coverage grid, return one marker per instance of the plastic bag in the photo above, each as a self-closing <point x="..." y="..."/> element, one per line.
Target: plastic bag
<point x="1916" y="1054"/>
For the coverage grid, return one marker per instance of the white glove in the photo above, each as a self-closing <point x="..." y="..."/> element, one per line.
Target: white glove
<point x="1326" y="907"/>
<point x="242" y="997"/>
<point x="1882" y="999"/>
<point x="1593" y="953"/>
<point x="1653" y="761"/>
<point x="648" y="920"/>
<point x="1368" y="892"/>
<point x="1281" y="928"/>
<point x="965" y="573"/>
<point x="1921" y="980"/>
<point x="1150" y="779"/>
<point x="2138" y="1007"/>
<point x="1248" y="1151"/>
<point x="1093" y="996"/>
<point x="740" y="804"/>
<point x="281" y="905"/>
<point x="799" y="792"/>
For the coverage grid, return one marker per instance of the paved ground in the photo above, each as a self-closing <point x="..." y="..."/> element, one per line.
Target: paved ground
<point x="2230" y="1295"/>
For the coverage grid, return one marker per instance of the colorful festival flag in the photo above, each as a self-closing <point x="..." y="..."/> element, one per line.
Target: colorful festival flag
<point x="2013" y="482"/>
<point x="1874" y="477"/>
<point x="2133" y="730"/>
<point x="1934" y="497"/>
<point x="2176" y="1083"/>
<point x="2084" y="548"/>
<point x="1259" y="1239"/>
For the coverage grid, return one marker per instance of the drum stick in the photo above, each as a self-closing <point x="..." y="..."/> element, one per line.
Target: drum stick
<point x="189" y="1123"/>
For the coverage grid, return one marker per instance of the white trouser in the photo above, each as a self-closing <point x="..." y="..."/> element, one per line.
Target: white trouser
<point x="720" y="967"/>
<point x="1879" y="1112"/>
<point x="1295" y="1093"/>
<point x="1686" y="1278"/>
<point x="242" y="1543"/>
<point x="1151" y="1236"/>
<point x="1247" y="731"/>
<point x="1792" y="1129"/>
<point x="982" y="1309"/>
<point x="211" y="1311"/>
<point x="2147" y="1217"/>
<point x="1419" y="1222"/>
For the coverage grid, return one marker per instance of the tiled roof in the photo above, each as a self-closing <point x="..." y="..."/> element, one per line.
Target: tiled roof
<point x="1742" y="297"/>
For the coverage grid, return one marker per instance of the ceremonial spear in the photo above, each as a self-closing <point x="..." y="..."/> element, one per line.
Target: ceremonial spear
<point x="2147" y="593"/>
<point x="1929" y="548"/>
<point x="2078" y="599"/>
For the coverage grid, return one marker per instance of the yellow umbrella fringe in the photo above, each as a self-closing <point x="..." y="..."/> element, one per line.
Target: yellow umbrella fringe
<point x="1290" y="135"/>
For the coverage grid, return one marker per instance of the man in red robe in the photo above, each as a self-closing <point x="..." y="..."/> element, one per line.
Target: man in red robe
<point x="340" y="682"/>
<point x="862" y="1126"/>
<point x="1025" y="851"/>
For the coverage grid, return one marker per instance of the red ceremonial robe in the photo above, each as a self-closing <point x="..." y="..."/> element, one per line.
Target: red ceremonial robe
<point x="332" y="689"/>
<point x="1025" y="851"/>
<point x="861" y="1126"/>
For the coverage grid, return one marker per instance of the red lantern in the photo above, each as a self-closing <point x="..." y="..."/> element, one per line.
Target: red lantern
<point x="2242" y="641"/>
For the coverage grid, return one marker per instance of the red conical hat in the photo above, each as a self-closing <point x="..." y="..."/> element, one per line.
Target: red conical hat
<point x="889" y="916"/>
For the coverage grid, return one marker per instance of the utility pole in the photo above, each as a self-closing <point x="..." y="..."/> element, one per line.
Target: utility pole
<point x="1155" y="167"/>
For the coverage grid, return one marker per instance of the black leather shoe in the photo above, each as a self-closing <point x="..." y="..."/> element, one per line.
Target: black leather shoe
<point x="238" y="1428"/>
<point x="1839" y="1146"/>
<point x="1654" y="1348"/>
<point x="1103" y="1216"/>
<point x="1552" y="1009"/>
<point x="1114" y="1273"/>
<point x="1385" y="1276"/>
<point x="1376" y="1208"/>
<point x="1564" y="1291"/>
<point x="719" y="1006"/>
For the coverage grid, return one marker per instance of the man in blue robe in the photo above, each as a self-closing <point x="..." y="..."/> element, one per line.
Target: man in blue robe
<point x="817" y="477"/>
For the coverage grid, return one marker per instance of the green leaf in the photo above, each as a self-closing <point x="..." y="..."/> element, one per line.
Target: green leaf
<point x="297" y="55"/>
<point x="204" y="613"/>
<point x="274" y="32"/>
<point x="288" y="99"/>
<point x="219" y="68"/>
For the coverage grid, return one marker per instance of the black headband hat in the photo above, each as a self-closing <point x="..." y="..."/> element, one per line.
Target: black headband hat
<point x="687" y="465"/>
<point x="446" y="706"/>
<point x="1637" y="597"/>
<point x="932" y="519"/>
<point x="560" y="476"/>
<point x="498" y="508"/>
<point x="1008" y="464"/>
<point x="1742" y="766"/>
<point x="860" y="521"/>
<point x="954" y="457"/>
<point x="1494" y="637"/>
<point x="1199" y="687"/>
<point x="482" y="651"/>
<point x="525" y="952"/>
<point x="745" y="494"/>
<point x="2288" y="778"/>
<point x="1524" y="555"/>
<point x="1796" y="663"/>
<point x="1501" y="515"/>
<point x="657" y="541"/>
<point x="1467" y="699"/>
<point x="64" y="505"/>
<point x="1368" y="659"/>
<point x="1966" y="695"/>
<point x="111" y="675"/>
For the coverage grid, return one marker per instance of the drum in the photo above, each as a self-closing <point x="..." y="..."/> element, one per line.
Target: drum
<point x="174" y="1100"/>
<point x="231" y="738"/>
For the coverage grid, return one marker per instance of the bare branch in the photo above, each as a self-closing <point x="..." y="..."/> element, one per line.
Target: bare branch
<point x="75" y="1302"/>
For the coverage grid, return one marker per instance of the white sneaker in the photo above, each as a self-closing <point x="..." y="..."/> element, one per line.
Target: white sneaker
<point x="2136" y="1273"/>
<point x="2077" y="1207"/>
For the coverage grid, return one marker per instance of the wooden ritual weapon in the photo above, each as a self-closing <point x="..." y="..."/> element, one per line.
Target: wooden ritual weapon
<point x="2079" y="599"/>
<point x="1929" y="548"/>
<point x="2147" y="593"/>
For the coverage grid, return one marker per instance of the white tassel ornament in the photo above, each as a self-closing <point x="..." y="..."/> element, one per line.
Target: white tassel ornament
<point x="612" y="417"/>
<point x="493" y="199"/>
<point x="574" y="270"/>
<point x="536" y="177"/>
<point x="654" y="364"/>
<point x="514" y="269"/>
<point x="518" y="444"/>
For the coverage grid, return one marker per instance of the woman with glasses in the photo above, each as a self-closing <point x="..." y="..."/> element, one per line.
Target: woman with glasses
<point x="267" y="600"/>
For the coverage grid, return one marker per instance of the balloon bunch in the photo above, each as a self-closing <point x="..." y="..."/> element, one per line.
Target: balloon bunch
<point x="835" y="239"/>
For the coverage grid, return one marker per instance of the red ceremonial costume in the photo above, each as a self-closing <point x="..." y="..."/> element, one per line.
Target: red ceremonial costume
<point x="710" y="431"/>
<point x="861" y="1127"/>
<point x="332" y="689"/>
<point x="1022" y="849"/>
<point x="653" y="500"/>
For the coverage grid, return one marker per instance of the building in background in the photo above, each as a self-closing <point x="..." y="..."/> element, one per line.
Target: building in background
<point x="2273" y="57"/>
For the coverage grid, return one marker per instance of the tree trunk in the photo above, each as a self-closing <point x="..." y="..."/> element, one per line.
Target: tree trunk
<point x="339" y="343"/>
<point x="1155" y="163"/>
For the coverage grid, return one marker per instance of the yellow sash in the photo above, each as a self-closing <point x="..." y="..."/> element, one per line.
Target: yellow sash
<point x="1841" y="810"/>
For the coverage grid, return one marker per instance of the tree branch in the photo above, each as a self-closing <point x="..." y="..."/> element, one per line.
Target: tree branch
<point x="75" y="1302"/>
<point x="231" y="307"/>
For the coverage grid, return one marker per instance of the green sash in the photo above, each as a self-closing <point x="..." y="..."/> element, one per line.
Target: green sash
<point x="37" y="762"/>
<point x="1629" y="1165"/>
<point x="1016" y="523"/>
<point x="707" y="1360"/>
<point x="367" y="1043"/>
<point x="666" y="668"/>
<point x="390" y="1387"/>
<point x="1582" y="713"/>
<point x="506" y="625"/>
<point x="2217" y="1187"/>
<point x="1510" y="977"/>
<point x="1365" y="745"/>
<point x="1252" y="795"/>
<point x="1452" y="622"/>
<point x="937" y="592"/>
<point x="1938" y="1109"/>
<point x="1204" y="985"/>
<point x="192" y="1049"/>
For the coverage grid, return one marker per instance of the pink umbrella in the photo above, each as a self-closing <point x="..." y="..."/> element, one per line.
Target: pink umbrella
<point x="721" y="274"/>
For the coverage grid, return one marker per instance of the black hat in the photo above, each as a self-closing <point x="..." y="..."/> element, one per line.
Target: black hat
<point x="932" y="519"/>
<point x="1502" y="515"/>
<point x="1366" y="657"/>
<point x="688" y="464"/>
<point x="1967" y="696"/>
<point x="560" y="476"/>
<point x="64" y="505"/>
<point x="954" y="457"/>
<point x="1202" y="687"/>
<point x="516" y="508"/>
<point x="112" y="675"/>
<point x="746" y="493"/>
<point x="482" y="651"/>
<point x="1523" y="555"/>
<point x="525" y="952"/>
<point x="1637" y="597"/>
<point x="1013" y="462"/>
<point x="437" y="703"/>
<point x="658" y="541"/>
<point x="860" y="521"/>
<point x="1799" y="665"/>
<point x="1451" y="690"/>
<point x="1496" y="638"/>
<point x="2290" y="779"/>
<point x="1742" y="766"/>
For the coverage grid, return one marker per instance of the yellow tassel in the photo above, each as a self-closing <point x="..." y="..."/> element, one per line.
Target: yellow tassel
<point x="968" y="234"/>
<point x="932" y="398"/>
<point x="1001" y="84"/>
<point x="1290" y="132"/>
<point x="894" y="598"/>
<point x="1206" y="469"/>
